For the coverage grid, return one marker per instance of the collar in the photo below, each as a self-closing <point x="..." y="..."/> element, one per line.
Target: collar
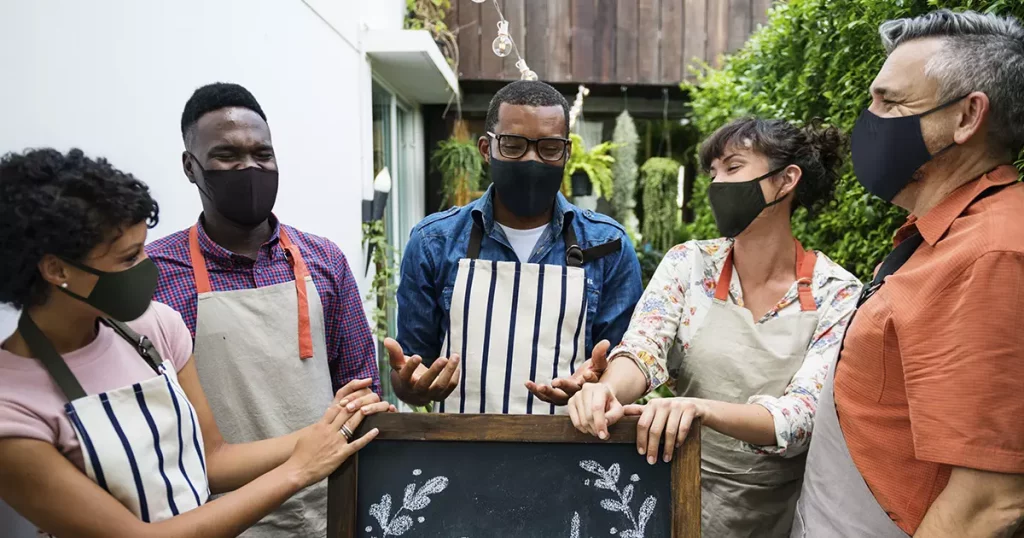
<point x="211" y="250"/>
<point x="483" y="211"/>
<point x="935" y="223"/>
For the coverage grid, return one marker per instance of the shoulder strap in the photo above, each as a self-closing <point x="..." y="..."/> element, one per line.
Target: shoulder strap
<point x="805" y="261"/>
<point x="891" y="264"/>
<point x="142" y="345"/>
<point x="52" y="361"/>
<point x="476" y="237"/>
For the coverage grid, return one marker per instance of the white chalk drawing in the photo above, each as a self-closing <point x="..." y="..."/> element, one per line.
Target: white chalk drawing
<point x="608" y="479"/>
<point x="575" y="531"/>
<point x="415" y="499"/>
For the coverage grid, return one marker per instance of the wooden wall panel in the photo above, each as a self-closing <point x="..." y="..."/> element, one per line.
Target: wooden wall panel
<point x="718" y="30"/>
<point x="672" y="40"/>
<point x="491" y="65"/>
<point x="515" y="12"/>
<point x="469" y="36"/>
<point x="583" y="20"/>
<point x="559" y="40"/>
<point x="760" y="12"/>
<point x="625" y="42"/>
<point x="740" y="21"/>
<point x="537" y="29"/>
<point x="649" y="42"/>
<point x="695" y="38"/>
<point x="605" y="41"/>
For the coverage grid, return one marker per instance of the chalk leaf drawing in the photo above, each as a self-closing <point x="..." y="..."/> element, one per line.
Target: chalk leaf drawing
<point x="413" y="500"/>
<point x="608" y="479"/>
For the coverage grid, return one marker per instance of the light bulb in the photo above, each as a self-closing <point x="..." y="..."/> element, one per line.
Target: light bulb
<point x="502" y="45"/>
<point x="529" y="75"/>
<point x="479" y="1"/>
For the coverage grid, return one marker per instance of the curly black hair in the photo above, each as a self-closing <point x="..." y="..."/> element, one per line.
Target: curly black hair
<point x="815" y="148"/>
<point x="65" y="205"/>
<point x="529" y="93"/>
<point x="215" y="97"/>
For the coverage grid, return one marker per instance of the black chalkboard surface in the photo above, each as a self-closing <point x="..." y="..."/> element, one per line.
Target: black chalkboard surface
<point x="495" y="476"/>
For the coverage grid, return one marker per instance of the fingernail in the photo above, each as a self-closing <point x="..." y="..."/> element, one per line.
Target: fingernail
<point x="650" y="460"/>
<point x="351" y="407"/>
<point x="603" y="435"/>
<point x="343" y="403"/>
<point x="667" y="459"/>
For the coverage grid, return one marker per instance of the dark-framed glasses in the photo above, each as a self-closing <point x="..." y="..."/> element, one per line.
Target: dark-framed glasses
<point x="514" y="146"/>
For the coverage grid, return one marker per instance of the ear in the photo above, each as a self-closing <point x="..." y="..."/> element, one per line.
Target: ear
<point x="483" y="144"/>
<point x="972" y="114"/>
<point x="53" y="270"/>
<point x="188" y="166"/>
<point x="788" y="179"/>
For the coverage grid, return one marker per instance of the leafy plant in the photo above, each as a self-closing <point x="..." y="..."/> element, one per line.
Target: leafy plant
<point x="624" y="170"/>
<point x="596" y="163"/>
<point x="382" y="287"/>
<point x="429" y="15"/>
<point x="413" y="500"/>
<point x="815" y="59"/>
<point x="660" y="177"/>
<point x="460" y="164"/>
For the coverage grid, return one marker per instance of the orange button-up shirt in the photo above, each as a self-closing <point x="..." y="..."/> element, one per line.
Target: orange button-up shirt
<point x="931" y="375"/>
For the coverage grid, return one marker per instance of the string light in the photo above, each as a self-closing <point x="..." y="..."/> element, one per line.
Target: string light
<point x="503" y="45"/>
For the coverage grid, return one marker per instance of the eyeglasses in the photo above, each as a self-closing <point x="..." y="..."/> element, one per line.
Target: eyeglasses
<point x="514" y="146"/>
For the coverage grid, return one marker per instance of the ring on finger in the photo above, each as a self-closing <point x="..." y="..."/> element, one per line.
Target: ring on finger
<point x="346" y="432"/>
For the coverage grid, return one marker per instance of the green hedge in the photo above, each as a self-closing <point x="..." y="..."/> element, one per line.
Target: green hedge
<point x="816" y="59"/>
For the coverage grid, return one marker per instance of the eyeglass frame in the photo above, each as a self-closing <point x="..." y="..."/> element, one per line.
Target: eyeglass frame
<point x="532" y="142"/>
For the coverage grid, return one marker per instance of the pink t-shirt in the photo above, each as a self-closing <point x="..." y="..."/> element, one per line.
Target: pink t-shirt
<point x="31" y="404"/>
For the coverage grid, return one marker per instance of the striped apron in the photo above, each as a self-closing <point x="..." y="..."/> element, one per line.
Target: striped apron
<point x="513" y="322"/>
<point x="141" y="443"/>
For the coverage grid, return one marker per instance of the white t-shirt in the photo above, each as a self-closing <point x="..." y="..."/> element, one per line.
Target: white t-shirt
<point x="523" y="241"/>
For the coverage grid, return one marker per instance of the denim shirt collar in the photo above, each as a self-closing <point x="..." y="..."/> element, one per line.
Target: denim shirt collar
<point x="483" y="212"/>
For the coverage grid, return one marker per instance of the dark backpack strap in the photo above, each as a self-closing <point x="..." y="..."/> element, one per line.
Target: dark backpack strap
<point x="142" y="344"/>
<point x="575" y="256"/>
<point x="476" y="236"/>
<point x="52" y="361"/>
<point x="891" y="264"/>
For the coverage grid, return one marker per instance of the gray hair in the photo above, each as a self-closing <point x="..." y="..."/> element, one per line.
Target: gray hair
<point x="980" y="52"/>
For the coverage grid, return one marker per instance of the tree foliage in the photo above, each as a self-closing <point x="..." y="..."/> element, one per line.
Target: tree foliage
<point x="816" y="59"/>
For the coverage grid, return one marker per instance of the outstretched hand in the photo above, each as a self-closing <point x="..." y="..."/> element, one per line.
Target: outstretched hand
<point x="416" y="384"/>
<point x="563" y="388"/>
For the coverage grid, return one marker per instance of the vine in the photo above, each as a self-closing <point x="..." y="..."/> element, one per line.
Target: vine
<point x="382" y="287"/>
<point x="429" y="15"/>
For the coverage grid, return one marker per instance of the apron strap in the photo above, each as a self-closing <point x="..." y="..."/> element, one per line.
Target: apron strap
<point x="202" y="278"/>
<point x="805" y="261"/>
<point x="142" y="344"/>
<point x="574" y="255"/>
<point x="43" y="349"/>
<point x="893" y="261"/>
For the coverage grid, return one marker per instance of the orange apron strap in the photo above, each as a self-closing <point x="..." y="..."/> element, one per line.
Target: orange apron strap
<point x="805" y="261"/>
<point x="199" y="272"/>
<point x="301" y="272"/>
<point x="722" y="287"/>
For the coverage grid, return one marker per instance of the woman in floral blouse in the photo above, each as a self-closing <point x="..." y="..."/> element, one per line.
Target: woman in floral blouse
<point x="743" y="328"/>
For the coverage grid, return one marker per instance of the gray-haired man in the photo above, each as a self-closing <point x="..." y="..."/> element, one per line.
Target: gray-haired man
<point x="920" y="425"/>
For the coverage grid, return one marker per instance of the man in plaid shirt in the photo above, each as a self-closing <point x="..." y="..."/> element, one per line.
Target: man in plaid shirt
<point x="276" y="318"/>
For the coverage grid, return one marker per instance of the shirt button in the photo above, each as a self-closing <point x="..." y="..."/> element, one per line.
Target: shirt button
<point x="588" y="213"/>
<point x="259" y="271"/>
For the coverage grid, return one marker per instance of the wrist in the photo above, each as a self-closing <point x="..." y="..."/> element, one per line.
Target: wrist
<point x="292" y="475"/>
<point x="705" y="412"/>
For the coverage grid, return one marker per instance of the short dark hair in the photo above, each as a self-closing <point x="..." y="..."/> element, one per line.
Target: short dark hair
<point x="526" y="93"/>
<point x="815" y="148"/>
<point x="65" y="205"/>
<point x="215" y="97"/>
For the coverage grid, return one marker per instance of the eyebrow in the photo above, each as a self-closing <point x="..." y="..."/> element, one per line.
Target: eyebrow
<point x="886" y="93"/>
<point x="131" y="248"/>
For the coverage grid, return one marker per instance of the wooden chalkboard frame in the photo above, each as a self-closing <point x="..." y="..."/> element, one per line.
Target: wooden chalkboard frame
<point x="342" y="501"/>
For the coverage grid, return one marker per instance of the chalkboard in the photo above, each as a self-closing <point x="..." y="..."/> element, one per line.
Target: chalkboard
<point x="492" y="476"/>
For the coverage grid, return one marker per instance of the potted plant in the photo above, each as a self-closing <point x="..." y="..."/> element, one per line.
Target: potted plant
<point x="588" y="172"/>
<point x="459" y="162"/>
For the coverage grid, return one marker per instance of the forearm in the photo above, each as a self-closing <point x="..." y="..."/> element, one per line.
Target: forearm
<point x="233" y="466"/>
<point x="976" y="503"/>
<point x="750" y="423"/>
<point x="626" y="380"/>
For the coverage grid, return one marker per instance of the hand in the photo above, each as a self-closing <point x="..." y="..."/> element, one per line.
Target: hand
<point x="354" y="395"/>
<point x="416" y="384"/>
<point x="322" y="447"/>
<point x="594" y="408"/>
<point x="563" y="388"/>
<point x="671" y="416"/>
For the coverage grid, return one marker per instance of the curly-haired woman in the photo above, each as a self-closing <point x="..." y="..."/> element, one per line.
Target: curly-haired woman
<point x="744" y="327"/>
<point x="104" y="429"/>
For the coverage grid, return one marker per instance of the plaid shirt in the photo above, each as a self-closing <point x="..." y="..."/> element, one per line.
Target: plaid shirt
<point x="351" y="351"/>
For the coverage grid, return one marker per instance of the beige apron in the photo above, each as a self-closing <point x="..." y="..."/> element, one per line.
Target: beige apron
<point x="262" y="361"/>
<point x="730" y="359"/>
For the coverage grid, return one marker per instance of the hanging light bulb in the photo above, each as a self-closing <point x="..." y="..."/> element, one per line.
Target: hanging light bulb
<point x="524" y="71"/>
<point x="529" y="75"/>
<point x="479" y="1"/>
<point x="502" y="45"/>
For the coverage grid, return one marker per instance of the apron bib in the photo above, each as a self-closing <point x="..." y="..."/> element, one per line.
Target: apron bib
<point x="730" y="359"/>
<point x="836" y="501"/>
<point x="514" y="322"/>
<point x="141" y="443"/>
<point x="262" y="357"/>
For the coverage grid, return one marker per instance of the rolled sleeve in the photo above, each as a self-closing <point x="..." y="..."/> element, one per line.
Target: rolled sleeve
<point x="420" y="314"/>
<point x="963" y="371"/>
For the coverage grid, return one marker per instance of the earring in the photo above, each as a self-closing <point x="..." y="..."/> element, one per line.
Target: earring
<point x="64" y="285"/>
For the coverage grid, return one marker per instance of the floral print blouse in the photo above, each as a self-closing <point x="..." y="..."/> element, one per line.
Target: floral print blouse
<point x="678" y="298"/>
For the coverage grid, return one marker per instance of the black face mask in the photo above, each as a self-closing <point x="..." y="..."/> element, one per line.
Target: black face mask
<point x="526" y="188"/>
<point x="245" y="196"/>
<point x="888" y="151"/>
<point x="736" y="205"/>
<point x="122" y="295"/>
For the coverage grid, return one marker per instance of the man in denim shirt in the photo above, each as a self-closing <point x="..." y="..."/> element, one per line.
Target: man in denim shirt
<point x="520" y="284"/>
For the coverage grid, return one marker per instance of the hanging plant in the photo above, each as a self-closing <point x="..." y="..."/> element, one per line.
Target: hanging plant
<point x="460" y="164"/>
<point x="596" y="164"/>
<point x="429" y="15"/>
<point x="624" y="171"/>
<point x="661" y="183"/>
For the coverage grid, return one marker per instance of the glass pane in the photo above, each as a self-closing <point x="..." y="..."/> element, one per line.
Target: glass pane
<point x="382" y="157"/>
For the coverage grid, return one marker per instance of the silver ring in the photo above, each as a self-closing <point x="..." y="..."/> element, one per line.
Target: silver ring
<point x="346" y="432"/>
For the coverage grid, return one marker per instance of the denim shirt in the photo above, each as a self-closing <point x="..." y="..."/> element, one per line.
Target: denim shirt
<point x="439" y="241"/>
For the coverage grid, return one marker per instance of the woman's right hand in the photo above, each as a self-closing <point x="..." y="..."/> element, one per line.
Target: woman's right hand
<point x="323" y="447"/>
<point x="594" y="408"/>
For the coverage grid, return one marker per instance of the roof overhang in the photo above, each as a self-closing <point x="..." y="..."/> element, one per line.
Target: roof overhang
<point x="410" y="61"/>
